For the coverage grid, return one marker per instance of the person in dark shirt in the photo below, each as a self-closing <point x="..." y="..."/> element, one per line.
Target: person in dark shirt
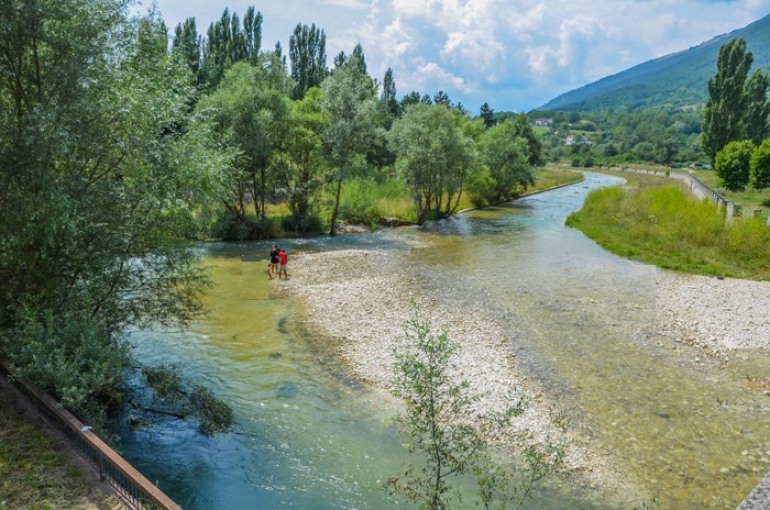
<point x="272" y="262"/>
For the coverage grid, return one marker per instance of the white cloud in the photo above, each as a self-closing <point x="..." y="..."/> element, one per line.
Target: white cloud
<point x="514" y="55"/>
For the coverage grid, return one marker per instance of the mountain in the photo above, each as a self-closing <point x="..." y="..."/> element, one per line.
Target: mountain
<point x="678" y="79"/>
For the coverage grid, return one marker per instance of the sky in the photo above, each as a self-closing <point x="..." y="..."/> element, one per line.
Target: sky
<point x="514" y="55"/>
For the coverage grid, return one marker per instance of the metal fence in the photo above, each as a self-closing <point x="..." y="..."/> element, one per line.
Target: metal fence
<point x="135" y="491"/>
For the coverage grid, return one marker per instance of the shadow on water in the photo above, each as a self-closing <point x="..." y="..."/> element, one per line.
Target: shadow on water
<point x="308" y="437"/>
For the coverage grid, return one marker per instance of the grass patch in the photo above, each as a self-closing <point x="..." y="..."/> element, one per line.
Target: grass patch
<point x="34" y="472"/>
<point x="365" y="201"/>
<point x="659" y="223"/>
<point x="554" y="175"/>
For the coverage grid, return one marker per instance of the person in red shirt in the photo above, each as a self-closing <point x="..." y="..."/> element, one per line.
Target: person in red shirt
<point x="283" y="260"/>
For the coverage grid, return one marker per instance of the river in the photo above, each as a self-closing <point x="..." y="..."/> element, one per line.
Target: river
<point x="683" y="429"/>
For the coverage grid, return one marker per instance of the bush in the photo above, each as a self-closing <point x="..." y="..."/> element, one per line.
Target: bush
<point x="70" y="356"/>
<point x="732" y="164"/>
<point x="229" y="227"/>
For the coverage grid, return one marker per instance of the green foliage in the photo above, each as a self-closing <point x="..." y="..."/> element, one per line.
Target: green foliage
<point x="71" y="356"/>
<point x="215" y="416"/>
<point x="349" y="98"/>
<point x="759" y="166"/>
<point x="103" y="174"/>
<point x="733" y="164"/>
<point x="432" y="419"/>
<point x="662" y="225"/>
<point x="723" y="116"/>
<point x="307" y="52"/>
<point x="434" y="156"/>
<point x="436" y="421"/>
<point x="510" y="151"/>
<point x="190" y="398"/>
<point x="298" y="163"/>
<point x="756" y="122"/>
<point x="227" y="43"/>
<point x="249" y="110"/>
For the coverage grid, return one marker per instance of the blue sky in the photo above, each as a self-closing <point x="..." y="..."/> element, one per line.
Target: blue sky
<point x="514" y="55"/>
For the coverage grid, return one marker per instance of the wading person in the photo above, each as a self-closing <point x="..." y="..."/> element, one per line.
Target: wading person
<point x="272" y="262"/>
<point x="283" y="261"/>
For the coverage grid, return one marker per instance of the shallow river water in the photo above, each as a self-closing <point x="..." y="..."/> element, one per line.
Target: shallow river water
<point x="678" y="426"/>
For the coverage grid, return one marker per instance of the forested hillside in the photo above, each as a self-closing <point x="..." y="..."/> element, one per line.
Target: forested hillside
<point x="674" y="80"/>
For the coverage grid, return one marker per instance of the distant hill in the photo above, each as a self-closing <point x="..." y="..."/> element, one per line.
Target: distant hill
<point x="677" y="79"/>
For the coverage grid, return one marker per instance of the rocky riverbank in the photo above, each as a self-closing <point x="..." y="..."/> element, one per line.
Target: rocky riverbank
<point x="359" y="299"/>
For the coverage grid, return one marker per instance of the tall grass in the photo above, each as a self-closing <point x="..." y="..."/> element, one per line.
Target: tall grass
<point x="665" y="226"/>
<point x="366" y="201"/>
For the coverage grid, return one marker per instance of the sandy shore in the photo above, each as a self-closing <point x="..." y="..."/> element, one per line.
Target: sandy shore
<point x="359" y="300"/>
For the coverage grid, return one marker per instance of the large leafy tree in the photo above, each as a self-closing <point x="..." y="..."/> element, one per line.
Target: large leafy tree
<point x="97" y="194"/>
<point x="349" y="98"/>
<point x="434" y="156"/>
<point x="723" y="115"/>
<point x="299" y="164"/>
<point x="510" y="158"/>
<point x="250" y="108"/>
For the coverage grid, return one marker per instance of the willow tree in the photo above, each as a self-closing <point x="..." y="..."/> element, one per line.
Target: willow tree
<point x="349" y="98"/>
<point x="434" y="156"/>
<point x="98" y="194"/>
<point x="299" y="164"/>
<point x="249" y="110"/>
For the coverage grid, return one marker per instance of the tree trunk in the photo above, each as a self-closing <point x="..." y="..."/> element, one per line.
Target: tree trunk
<point x="335" y="212"/>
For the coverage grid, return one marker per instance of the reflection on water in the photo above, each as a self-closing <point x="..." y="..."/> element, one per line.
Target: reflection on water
<point x="683" y="429"/>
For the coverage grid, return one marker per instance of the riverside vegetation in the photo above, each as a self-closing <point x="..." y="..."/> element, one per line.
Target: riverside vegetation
<point x="656" y="221"/>
<point x="119" y="152"/>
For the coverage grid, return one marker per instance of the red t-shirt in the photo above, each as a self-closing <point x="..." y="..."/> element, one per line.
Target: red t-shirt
<point x="282" y="257"/>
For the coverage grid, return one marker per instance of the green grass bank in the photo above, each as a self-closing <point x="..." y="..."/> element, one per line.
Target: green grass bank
<point x="655" y="220"/>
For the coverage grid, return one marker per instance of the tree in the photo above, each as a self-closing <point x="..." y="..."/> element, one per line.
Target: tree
<point x="187" y="47"/>
<point x="759" y="166"/>
<point x="757" y="107"/>
<point x="250" y="108"/>
<point x="349" y="97"/>
<point x="436" y="420"/>
<point x="733" y="163"/>
<point x="307" y="53"/>
<point x="434" y="405"/>
<point x="725" y="108"/>
<point x="433" y="156"/>
<point x="388" y="97"/>
<point x="299" y="164"/>
<point x="441" y="97"/>
<point x="509" y="157"/>
<point x="98" y="197"/>
<point x="228" y="42"/>
<point x="487" y="114"/>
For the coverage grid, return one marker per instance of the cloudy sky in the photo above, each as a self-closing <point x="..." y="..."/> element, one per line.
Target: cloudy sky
<point x="515" y="55"/>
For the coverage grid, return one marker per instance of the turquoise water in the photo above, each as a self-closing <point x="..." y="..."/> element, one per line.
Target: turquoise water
<point x="687" y="432"/>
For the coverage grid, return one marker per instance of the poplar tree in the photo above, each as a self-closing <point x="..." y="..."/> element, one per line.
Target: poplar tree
<point x="307" y="54"/>
<point x="757" y="107"/>
<point x="725" y="108"/>
<point x="388" y="97"/>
